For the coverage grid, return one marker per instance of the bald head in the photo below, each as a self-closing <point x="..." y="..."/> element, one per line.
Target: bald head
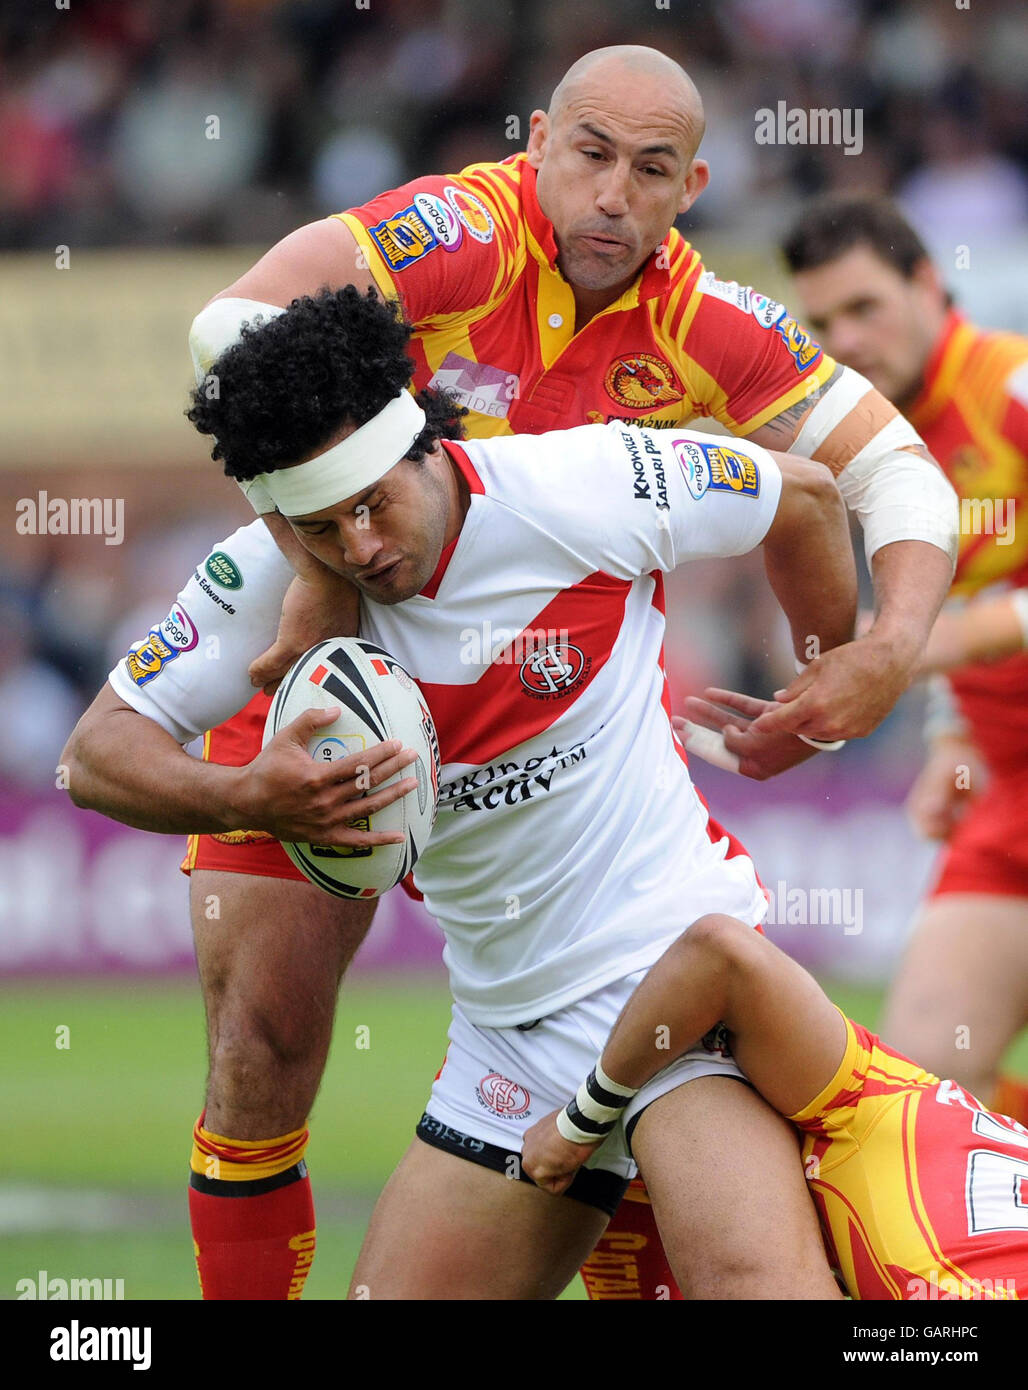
<point x="615" y="161"/>
<point x="667" y="87"/>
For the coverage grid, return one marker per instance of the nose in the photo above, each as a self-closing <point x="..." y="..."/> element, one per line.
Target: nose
<point x="612" y="197"/>
<point x="359" y="543"/>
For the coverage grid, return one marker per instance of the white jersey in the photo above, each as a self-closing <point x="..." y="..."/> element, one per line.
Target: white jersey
<point x="571" y="847"/>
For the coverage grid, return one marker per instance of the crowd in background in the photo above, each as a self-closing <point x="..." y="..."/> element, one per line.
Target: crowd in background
<point x="158" y="123"/>
<point x="105" y="105"/>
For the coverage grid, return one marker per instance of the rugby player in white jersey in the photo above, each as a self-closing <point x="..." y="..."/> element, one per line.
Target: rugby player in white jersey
<point x="571" y="847"/>
<point x="557" y="272"/>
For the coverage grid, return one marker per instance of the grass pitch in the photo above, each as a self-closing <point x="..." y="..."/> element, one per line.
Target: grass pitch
<point x="95" y="1157"/>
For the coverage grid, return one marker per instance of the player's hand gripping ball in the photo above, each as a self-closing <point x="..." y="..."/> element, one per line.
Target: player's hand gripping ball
<point x="379" y="701"/>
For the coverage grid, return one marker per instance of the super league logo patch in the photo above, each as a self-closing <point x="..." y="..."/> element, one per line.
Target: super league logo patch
<point x="802" y="348"/>
<point x="403" y="238"/>
<point x="717" y="468"/>
<point x="177" y="634"/>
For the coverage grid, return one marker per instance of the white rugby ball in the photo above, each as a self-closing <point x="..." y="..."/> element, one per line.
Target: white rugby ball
<point x="379" y="701"/>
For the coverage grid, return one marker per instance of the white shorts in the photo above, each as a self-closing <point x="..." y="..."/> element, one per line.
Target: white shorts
<point x="495" y="1083"/>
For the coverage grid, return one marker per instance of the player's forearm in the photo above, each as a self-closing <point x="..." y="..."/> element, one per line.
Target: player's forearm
<point x="723" y="971"/>
<point x="809" y="560"/>
<point x="304" y="564"/>
<point x="128" y="768"/>
<point x="988" y="630"/>
<point x="911" y="580"/>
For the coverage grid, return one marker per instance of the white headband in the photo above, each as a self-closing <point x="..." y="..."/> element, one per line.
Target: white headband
<point x="349" y="466"/>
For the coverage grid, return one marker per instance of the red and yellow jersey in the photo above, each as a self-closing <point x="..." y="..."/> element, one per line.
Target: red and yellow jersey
<point x="473" y="261"/>
<point x="922" y="1192"/>
<point x="973" y="414"/>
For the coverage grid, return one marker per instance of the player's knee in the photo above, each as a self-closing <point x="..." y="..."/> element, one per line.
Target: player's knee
<point x="728" y="1271"/>
<point x="260" y="1041"/>
<point x="724" y="940"/>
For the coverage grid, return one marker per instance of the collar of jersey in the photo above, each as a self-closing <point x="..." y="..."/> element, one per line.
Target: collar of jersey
<point x="475" y="485"/>
<point x="654" y="281"/>
<point x="953" y="342"/>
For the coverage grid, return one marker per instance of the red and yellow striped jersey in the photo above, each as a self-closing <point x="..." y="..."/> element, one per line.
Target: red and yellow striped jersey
<point x="922" y="1192"/>
<point x="972" y="413"/>
<point x="473" y="260"/>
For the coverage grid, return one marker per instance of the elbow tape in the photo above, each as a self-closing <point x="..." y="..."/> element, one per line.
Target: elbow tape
<point x="214" y="329"/>
<point x="899" y="496"/>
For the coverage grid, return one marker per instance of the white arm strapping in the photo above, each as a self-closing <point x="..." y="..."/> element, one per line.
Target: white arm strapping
<point x="214" y="329"/>
<point x="1019" y="598"/>
<point x="942" y="719"/>
<point x="845" y="392"/>
<point x="899" y="496"/>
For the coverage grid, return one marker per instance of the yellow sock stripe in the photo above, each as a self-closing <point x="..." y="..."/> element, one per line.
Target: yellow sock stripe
<point x="245" y="1160"/>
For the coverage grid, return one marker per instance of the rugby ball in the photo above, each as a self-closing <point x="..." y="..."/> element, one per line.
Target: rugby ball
<point x="379" y="701"/>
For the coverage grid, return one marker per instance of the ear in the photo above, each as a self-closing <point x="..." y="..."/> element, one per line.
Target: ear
<point x="695" y="182"/>
<point x="538" y="134"/>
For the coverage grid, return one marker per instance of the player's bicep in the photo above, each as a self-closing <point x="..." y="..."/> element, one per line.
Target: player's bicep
<point x="189" y="673"/>
<point x="832" y="425"/>
<point x="318" y="254"/>
<point x="111" y="721"/>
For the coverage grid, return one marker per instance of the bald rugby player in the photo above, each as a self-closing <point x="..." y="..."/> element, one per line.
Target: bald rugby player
<point x="546" y="291"/>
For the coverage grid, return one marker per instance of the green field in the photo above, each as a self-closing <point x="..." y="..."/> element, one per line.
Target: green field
<point x="97" y="1135"/>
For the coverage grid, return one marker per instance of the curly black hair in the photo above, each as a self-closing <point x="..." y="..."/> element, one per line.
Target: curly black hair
<point x="289" y="384"/>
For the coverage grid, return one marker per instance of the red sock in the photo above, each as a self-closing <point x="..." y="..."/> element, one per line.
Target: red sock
<point x="1010" y="1097"/>
<point x="252" y="1215"/>
<point x="629" y="1259"/>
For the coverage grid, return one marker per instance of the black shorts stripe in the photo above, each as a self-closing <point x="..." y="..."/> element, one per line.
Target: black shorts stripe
<point x="596" y="1187"/>
<point x="224" y="1187"/>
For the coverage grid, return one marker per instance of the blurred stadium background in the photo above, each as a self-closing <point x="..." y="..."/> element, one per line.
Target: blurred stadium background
<point x="104" y="155"/>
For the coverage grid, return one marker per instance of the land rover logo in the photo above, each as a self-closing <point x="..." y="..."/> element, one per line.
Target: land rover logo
<point x="223" y="570"/>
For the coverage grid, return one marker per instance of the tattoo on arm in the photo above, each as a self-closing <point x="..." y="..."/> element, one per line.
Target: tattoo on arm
<point x="787" y="425"/>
